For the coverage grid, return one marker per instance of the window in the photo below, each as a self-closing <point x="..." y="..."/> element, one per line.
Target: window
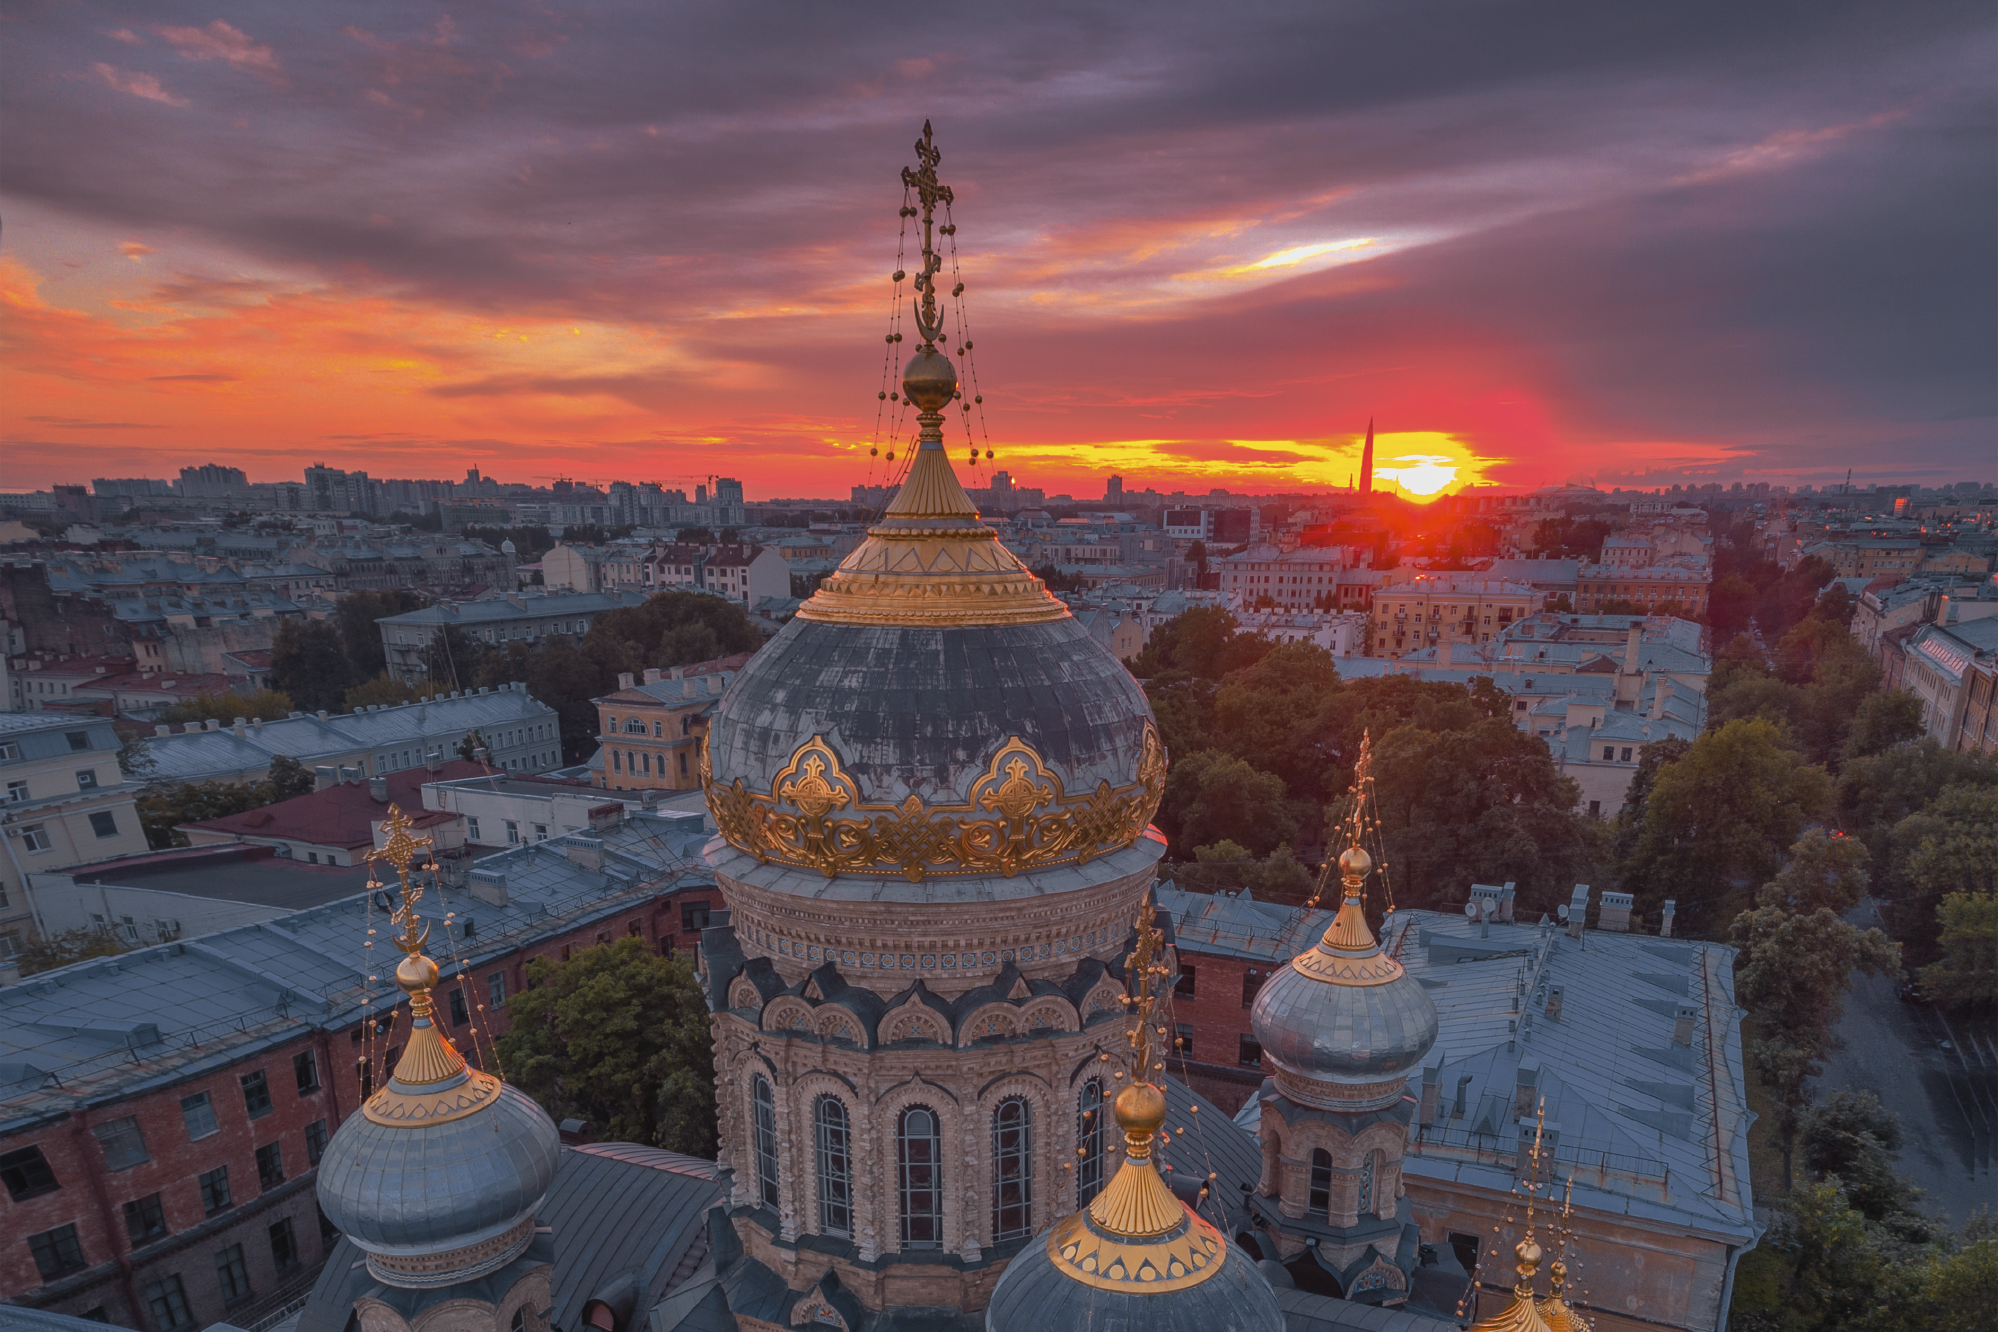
<point x="364" y="1073"/>
<point x="1319" y="1203"/>
<point x="35" y="836"/>
<point x="124" y="1146"/>
<point x="230" y="1275"/>
<point x="168" y="1303"/>
<point x="693" y="915"/>
<point x="26" y="1173"/>
<point x="79" y="739"/>
<point x="540" y="832"/>
<point x="315" y="1141"/>
<point x="56" y="1251"/>
<point x="1595" y="807"/>
<point x="16" y="792"/>
<point x="86" y="779"/>
<point x="215" y="1191"/>
<point x="9" y="753"/>
<point x="764" y="1110"/>
<point x="459" y="1015"/>
<point x="1012" y="1182"/>
<point x="1609" y="752"/>
<point x="472" y="829"/>
<point x="919" y="1178"/>
<point x="284" y="1246"/>
<point x="496" y="989"/>
<point x="512" y="833"/>
<point x="1183" y="1039"/>
<point x="1184" y="986"/>
<point x="1252" y="981"/>
<point x="305" y="1067"/>
<point x="1249" y="1054"/>
<point x="145" y="1219"/>
<point x="104" y="823"/>
<point x="683" y="765"/>
<point x="1626" y="755"/>
<point x="835" y="1159"/>
<point x="256" y="1094"/>
<point x="270" y="1165"/>
<point x="1089" y="1137"/>
<point x="200" y="1116"/>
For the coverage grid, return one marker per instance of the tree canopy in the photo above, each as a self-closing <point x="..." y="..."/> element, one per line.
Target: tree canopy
<point x="617" y="1036"/>
<point x="264" y="704"/>
<point x="309" y="664"/>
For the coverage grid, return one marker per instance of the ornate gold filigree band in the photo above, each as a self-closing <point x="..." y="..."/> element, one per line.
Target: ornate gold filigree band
<point x="1016" y="816"/>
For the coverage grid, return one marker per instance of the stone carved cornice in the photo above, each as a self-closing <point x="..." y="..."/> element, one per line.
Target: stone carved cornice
<point x="1016" y="816"/>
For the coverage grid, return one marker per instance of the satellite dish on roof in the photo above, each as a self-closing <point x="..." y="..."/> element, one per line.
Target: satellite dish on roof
<point x="1471" y="910"/>
<point x="1562" y="910"/>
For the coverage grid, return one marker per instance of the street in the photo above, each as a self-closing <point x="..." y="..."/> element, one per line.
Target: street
<point x="1937" y="1073"/>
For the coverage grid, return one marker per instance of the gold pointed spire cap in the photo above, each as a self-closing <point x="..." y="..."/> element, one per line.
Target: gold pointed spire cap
<point x="1348" y="954"/>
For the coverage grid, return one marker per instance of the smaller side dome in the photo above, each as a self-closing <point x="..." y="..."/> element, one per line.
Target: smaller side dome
<point x="1344" y="1023"/>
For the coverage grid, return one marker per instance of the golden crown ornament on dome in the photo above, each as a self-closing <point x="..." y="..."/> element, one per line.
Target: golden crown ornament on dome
<point x="431" y="1083"/>
<point x="1135" y="1235"/>
<point x="930" y="561"/>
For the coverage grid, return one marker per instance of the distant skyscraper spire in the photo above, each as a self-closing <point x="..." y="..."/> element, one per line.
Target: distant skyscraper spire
<point x="1367" y="462"/>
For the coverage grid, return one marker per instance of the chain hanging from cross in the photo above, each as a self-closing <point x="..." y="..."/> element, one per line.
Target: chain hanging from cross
<point x="401" y="850"/>
<point x="1147" y="971"/>
<point x="922" y="178"/>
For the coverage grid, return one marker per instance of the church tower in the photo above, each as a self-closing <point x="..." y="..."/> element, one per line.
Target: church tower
<point x="932" y="791"/>
<point x="1367" y="461"/>
<point x="1342" y="1026"/>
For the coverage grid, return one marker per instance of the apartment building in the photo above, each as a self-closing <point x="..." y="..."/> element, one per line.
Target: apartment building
<point x="406" y="638"/>
<point x="1301" y="579"/>
<point x="1431" y="610"/>
<point x="67" y="802"/>
<point x="1676" y="586"/>
<point x="651" y="728"/>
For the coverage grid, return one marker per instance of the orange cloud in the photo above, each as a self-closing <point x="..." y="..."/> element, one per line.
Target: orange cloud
<point x="138" y="85"/>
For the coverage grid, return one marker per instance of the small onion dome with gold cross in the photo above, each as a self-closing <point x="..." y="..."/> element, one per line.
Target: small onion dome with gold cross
<point x="438" y="1177"/>
<point x="1344" y="1023"/>
<point x="1136" y="1257"/>
<point x="1554" y="1309"/>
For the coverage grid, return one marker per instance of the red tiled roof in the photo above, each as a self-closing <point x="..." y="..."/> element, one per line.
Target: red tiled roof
<point x="344" y="816"/>
<point x="168" y="684"/>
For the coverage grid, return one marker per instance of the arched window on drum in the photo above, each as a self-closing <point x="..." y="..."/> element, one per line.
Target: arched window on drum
<point x="1319" y="1201"/>
<point x="1089" y="1138"/>
<point x="833" y="1141"/>
<point x="1012" y="1171"/>
<point x="763" y="1109"/>
<point x="919" y="1177"/>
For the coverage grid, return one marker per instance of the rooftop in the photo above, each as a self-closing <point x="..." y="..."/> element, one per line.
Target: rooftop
<point x="253" y="874"/>
<point x="516" y="607"/>
<point x="107" y="1028"/>
<point x="344" y="814"/>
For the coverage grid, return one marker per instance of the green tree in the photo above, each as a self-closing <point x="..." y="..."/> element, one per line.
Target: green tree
<point x="1717" y="820"/>
<point x="135" y="756"/>
<point x="384" y="689"/>
<point x="695" y="536"/>
<point x="667" y="630"/>
<point x="453" y="659"/>
<point x="309" y="664"/>
<point x="1211" y="796"/>
<point x="1877" y="791"/>
<point x="469" y="747"/>
<point x="1206" y="641"/>
<point x="1275" y="712"/>
<point x="1791" y="974"/>
<point x="1951" y="846"/>
<point x="1484" y="804"/>
<point x="1183" y="705"/>
<point x="1967" y="973"/>
<point x="1883" y="720"/>
<point x="1058" y="581"/>
<point x="617" y="1036"/>
<point x="360" y="636"/>
<point x="1226" y="866"/>
<point x="1197" y="553"/>
<point x="37" y="955"/>
<point x="1850" y="1136"/>
<point x="266" y="704"/>
<point x="288" y="778"/>
<point x="1824" y="870"/>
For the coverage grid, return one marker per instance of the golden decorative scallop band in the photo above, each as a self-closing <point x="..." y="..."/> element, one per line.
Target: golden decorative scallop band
<point x="1187" y="1256"/>
<point x="1016" y="816"/>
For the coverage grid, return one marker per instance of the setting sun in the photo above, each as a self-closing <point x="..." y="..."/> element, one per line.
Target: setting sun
<point x="1424" y="476"/>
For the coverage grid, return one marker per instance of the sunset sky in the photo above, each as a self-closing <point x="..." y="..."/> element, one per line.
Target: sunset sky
<point x="1203" y="243"/>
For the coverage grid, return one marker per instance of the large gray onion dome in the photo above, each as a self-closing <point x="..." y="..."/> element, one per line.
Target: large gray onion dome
<point x="1343" y="1016"/>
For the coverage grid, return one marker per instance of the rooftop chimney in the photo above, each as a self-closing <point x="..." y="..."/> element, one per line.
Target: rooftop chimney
<point x="323" y="777"/>
<point x="586" y="852"/>
<point x="624" y="680"/>
<point x="378" y="790"/>
<point x="1631" y="647"/>
<point x="1432" y="1091"/>
<point x="1665" y="918"/>
<point x="1525" y="1083"/>
<point x="1615" y="913"/>
<point x="162" y="730"/>
<point x="434" y="760"/>
<point x="652" y="675"/>
<point x="239" y="726"/>
<point x="1554" y="1004"/>
<point x="606" y="816"/>
<point x="212" y="724"/>
<point x="1578" y="910"/>
<point x="1682" y="1024"/>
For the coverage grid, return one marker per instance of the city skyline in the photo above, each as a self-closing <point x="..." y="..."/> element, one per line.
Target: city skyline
<point x="1549" y="245"/>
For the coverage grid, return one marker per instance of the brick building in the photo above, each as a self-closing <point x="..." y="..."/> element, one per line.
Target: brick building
<point x="162" y="1111"/>
<point x="1228" y="946"/>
